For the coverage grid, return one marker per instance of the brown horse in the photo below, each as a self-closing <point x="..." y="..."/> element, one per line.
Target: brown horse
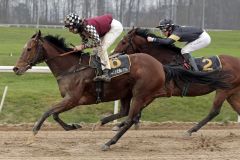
<point x="135" y="42"/>
<point x="75" y="80"/>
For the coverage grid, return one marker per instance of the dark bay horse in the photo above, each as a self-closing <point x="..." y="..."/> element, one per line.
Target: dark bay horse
<point x="135" y="42"/>
<point x="75" y="80"/>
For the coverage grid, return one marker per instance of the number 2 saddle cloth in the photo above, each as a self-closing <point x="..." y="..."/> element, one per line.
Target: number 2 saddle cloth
<point x="207" y="64"/>
<point x="120" y="64"/>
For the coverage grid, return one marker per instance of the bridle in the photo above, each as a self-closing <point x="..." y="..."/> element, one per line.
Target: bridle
<point x="39" y="56"/>
<point x="130" y="45"/>
<point x="52" y="58"/>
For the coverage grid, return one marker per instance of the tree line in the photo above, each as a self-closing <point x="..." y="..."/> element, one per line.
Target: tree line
<point x="213" y="14"/>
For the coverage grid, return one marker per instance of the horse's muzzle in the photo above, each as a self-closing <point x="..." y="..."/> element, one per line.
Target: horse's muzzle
<point x="16" y="70"/>
<point x="20" y="71"/>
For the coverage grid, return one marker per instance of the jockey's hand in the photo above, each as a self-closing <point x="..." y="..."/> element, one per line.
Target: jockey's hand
<point x="78" y="48"/>
<point x="150" y="39"/>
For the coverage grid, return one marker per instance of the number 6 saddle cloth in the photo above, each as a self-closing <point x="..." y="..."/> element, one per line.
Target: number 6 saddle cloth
<point x="120" y="64"/>
<point x="207" y="64"/>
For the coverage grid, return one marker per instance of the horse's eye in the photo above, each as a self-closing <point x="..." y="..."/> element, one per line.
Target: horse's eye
<point x="28" y="49"/>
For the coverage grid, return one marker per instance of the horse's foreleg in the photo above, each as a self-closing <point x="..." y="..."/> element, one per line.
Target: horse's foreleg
<point x="64" y="105"/>
<point x="218" y="101"/>
<point x="124" y="109"/>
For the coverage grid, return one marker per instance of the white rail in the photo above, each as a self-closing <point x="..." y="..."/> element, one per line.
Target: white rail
<point x="43" y="69"/>
<point x="37" y="69"/>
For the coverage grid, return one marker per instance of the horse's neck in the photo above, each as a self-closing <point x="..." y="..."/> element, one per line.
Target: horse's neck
<point x="56" y="63"/>
<point x="162" y="54"/>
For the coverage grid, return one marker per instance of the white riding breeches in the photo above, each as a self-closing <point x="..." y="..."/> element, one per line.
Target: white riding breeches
<point x="106" y="41"/>
<point x="203" y="41"/>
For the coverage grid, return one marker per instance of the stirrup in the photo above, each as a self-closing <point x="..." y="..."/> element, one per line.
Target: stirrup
<point x="103" y="77"/>
<point x="187" y="66"/>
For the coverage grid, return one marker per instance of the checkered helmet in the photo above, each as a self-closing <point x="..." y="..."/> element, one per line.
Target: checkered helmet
<point x="73" y="20"/>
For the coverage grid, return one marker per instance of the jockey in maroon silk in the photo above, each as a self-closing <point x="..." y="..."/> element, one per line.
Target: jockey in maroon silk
<point x="98" y="32"/>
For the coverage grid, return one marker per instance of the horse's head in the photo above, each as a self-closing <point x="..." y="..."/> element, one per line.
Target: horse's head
<point x="136" y="42"/>
<point x="31" y="54"/>
<point x="131" y="43"/>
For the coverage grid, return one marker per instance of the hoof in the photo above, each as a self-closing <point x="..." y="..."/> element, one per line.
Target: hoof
<point x="115" y="128"/>
<point x="35" y="131"/>
<point x="187" y="134"/>
<point x="105" y="147"/>
<point x="76" y="126"/>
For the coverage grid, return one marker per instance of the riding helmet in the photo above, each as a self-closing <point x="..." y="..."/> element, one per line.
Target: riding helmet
<point x="73" y="20"/>
<point x="165" y="24"/>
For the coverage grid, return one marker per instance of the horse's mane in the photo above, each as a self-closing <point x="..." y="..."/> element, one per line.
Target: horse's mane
<point x="58" y="42"/>
<point x="146" y="32"/>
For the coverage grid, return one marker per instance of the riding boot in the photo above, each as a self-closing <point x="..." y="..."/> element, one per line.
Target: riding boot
<point x="104" y="77"/>
<point x="189" y="59"/>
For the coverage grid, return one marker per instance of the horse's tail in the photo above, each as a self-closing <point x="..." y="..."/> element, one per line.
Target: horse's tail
<point x="215" y="79"/>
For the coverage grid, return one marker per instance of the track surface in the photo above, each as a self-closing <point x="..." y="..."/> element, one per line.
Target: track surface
<point x="165" y="142"/>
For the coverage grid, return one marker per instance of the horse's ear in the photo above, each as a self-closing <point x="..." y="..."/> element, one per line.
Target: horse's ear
<point x="39" y="34"/>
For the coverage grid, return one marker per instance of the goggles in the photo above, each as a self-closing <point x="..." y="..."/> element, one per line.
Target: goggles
<point x="164" y="28"/>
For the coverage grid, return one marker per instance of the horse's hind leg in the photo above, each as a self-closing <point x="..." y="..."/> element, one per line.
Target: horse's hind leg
<point x="234" y="101"/>
<point x="215" y="110"/>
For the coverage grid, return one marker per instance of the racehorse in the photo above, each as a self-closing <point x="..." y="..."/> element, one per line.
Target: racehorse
<point x="136" y="42"/>
<point x="75" y="76"/>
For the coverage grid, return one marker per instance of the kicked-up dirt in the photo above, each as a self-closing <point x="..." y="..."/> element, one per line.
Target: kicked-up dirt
<point x="165" y="141"/>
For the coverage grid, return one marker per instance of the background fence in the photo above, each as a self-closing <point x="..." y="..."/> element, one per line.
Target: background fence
<point x="43" y="69"/>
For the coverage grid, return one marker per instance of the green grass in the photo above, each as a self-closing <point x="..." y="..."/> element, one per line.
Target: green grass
<point x="31" y="94"/>
<point x="13" y="39"/>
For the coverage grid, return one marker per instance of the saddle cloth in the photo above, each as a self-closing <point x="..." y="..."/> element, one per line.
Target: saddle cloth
<point x="207" y="64"/>
<point x="120" y="64"/>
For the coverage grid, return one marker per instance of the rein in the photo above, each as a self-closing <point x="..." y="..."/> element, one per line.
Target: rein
<point x="79" y="66"/>
<point x="60" y="55"/>
<point x="82" y="67"/>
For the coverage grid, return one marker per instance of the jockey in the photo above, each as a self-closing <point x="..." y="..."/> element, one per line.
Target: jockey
<point x="195" y="38"/>
<point x="97" y="32"/>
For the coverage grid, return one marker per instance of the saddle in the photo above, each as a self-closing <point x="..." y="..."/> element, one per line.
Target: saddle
<point x="120" y="64"/>
<point x="206" y="64"/>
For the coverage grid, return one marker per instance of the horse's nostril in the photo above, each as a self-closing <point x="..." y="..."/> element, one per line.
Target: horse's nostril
<point x="15" y="69"/>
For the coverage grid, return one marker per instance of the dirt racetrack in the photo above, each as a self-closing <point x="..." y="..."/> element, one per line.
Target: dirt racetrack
<point x="164" y="141"/>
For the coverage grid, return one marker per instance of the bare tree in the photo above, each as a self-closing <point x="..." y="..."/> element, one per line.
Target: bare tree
<point x="129" y="12"/>
<point x="100" y="7"/>
<point x="122" y="8"/>
<point x="137" y="12"/>
<point x="219" y="14"/>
